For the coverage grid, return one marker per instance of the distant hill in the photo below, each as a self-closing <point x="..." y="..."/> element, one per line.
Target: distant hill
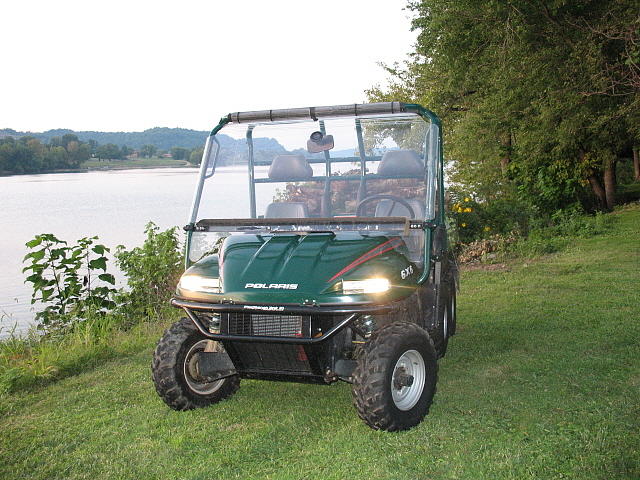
<point x="162" y="137"/>
<point x="232" y="151"/>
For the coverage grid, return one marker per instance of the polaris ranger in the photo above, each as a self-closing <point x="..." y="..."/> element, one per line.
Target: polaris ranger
<point x="316" y="251"/>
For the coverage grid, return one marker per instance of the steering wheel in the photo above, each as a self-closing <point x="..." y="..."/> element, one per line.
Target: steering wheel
<point x="394" y="200"/>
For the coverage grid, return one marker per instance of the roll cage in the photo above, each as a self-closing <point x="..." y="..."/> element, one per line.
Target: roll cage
<point x="434" y="201"/>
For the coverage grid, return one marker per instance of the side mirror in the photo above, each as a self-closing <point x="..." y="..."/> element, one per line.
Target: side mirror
<point x="318" y="142"/>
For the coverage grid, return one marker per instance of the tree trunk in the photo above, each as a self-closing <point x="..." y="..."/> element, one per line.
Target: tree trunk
<point x="505" y="141"/>
<point x="598" y="191"/>
<point x="636" y="164"/>
<point x="610" y="182"/>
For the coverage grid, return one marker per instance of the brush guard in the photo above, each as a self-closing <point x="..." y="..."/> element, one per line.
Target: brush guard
<point x="290" y="343"/>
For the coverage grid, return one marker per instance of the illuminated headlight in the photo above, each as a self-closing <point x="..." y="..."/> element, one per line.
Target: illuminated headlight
<point x="196" y="283"/>
<point x="371" y="285"/>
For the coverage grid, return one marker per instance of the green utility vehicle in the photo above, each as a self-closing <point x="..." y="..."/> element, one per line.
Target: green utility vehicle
<point x="316" y="251"/>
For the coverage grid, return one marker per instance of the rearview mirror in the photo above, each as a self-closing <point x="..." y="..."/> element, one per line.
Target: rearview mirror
<point x="319" y="142"/>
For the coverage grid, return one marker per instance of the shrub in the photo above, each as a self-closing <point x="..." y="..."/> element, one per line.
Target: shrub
<point x="464" y="213"/>
<point x="574" y="222"/>
<point x="542" y="236"/>
<point x="475" y="220"/>
<point x="506" y="215"/>
<point x="152" y="271"/>
<point x="65" y="281"/>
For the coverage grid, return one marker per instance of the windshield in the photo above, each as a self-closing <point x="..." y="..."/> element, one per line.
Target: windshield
<point x="316" y="175"/>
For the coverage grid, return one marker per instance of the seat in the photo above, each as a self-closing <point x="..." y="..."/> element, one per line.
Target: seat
<point x="401" y="163"/>
<point x="286" y="210"/>
<point x="290" y="168"/>
<point x="404" y="163"/>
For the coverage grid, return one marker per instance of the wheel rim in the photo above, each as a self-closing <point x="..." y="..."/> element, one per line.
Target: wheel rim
<point x="410" y="364"/>
<point x="196" y="384"/>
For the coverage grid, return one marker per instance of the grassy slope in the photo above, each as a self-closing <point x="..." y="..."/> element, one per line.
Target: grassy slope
<point x="542" y="381"/>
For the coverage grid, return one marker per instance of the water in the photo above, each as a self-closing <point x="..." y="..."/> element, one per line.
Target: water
<point x="114" y="205"/>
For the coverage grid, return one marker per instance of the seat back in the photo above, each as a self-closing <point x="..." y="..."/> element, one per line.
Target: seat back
<point x="401" y="162"/>
<point x="290" y="167"/>
<point x="286" y="210"/>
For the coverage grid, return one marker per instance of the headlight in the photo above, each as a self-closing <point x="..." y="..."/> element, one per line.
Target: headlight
<point x="371" y="285"/>
<point x="196" y="283"/>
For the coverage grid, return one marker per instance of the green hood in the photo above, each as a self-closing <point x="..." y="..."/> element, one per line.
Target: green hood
<point x="296" y="268"/>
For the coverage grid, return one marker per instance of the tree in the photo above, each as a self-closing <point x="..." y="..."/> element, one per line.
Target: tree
<point x="539" y="101"/>
<point x="77" y="153"/>
<point x="180" y="153"/>
<point x="125" y="151"/>
<point x="196" y="156"/>
<point x="109" y="151"/>
<point x="56" y="158"/>
<point x="56" y="142"/>
<point x="148" y="151"/>
<point x="93" y="146"/>
<point x="16" y="157"/>
<point x="68" y="138"/>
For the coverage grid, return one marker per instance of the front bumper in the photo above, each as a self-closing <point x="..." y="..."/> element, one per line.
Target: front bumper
<point x="346" y="313"/>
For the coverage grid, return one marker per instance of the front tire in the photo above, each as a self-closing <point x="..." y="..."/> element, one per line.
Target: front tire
<point x="395" y="380"/>
<point x="174" y="370"/>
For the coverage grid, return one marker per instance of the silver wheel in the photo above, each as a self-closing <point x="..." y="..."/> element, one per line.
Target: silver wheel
<point x="407" y="381"/>
<point x="192" y="375"/>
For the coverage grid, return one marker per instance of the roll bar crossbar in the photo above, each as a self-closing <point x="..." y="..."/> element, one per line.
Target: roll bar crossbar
<point x="314" y="113"/>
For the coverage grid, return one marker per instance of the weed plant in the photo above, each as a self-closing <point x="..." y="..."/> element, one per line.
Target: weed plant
<point x="83" y="323"/>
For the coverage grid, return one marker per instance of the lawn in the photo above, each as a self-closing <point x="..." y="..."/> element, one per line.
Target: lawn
<point x="542" y="381"/>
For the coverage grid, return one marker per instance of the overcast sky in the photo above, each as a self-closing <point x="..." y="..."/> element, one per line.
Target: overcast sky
<point x="130" y="65"/>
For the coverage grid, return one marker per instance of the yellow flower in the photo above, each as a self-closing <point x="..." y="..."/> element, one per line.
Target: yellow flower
<point x="467" y="199"/>
<point x="467" y="210"/>
<point x="463" y="225"/>
<point x="486" y="229"/>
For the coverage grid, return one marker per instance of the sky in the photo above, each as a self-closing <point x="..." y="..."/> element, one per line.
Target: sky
<point x="131" y="65"/>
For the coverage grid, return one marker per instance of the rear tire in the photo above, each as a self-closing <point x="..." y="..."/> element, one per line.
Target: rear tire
<point x="446" y="323"/>
<point x="172" y="367"/>
<point x="395" y="380"/>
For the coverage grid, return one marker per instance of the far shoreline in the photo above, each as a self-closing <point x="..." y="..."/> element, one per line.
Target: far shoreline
<point x="109" y="165"/>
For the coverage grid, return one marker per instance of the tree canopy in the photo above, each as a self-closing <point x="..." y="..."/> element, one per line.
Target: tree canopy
<point x="539" y="98"/>
<point x="29" y="155"/>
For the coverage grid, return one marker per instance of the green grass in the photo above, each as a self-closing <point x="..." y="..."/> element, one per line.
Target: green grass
<point x="32" y="360"/>
<point x="542" y="381"/>
<point x="95" y="164"/>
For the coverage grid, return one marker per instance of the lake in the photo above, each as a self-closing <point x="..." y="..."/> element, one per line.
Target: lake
<point x="114" y="205"/>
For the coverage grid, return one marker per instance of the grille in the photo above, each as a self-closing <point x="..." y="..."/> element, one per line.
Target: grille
<point x="265" y="325"/>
